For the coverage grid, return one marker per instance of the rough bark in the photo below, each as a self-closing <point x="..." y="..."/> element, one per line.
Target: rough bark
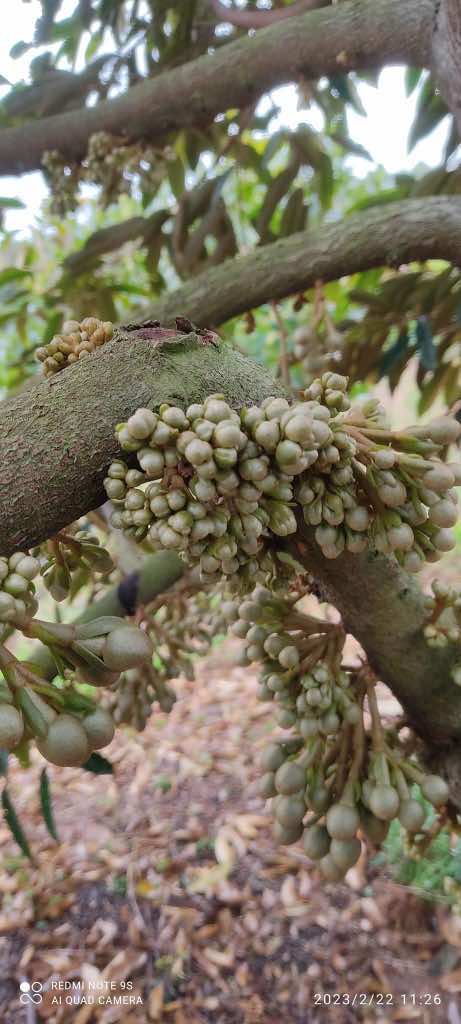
<point x="356" y="34"/>
<point x="447" y="54"/>
<point x="415" y="229"/>
<point x="384" y="608"/>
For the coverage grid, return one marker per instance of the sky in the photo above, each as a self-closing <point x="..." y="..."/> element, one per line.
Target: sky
<point x="383" y="132"/>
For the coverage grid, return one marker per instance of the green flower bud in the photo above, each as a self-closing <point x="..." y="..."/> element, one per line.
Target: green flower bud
<point x="411" y="815"/>
<point x="289" y="810"/>
<point x="345" y="852"/>
<point x="290" y="778"/>
<point x="342" y="821"/>
<point x="384" y="802"/>
<point x="194" y="412"/>
<point x="227" y="434"/>
<point x="443" y="540"/>
<point x="125" y="647"/>
<point x="216" y="409"/>
<point x="444" y="513"/>
<point x="99" y="727"/>
<point x="435" y="789"/>
<point x="152" y="462"/>
<point x="11" y="727"/>
<point x="142" y="424"/>
<point x="289" y="657"/>
<point x="439" y="479"/>
<point x="267" y="434"/>
<point x="174" y="417"/>
<point x="254" y="469"/>
<point x="66" y="742"/>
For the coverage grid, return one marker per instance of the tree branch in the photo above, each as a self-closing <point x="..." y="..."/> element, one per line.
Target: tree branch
<point x="57" y="439"/>
<point x="356" y="34"/>
<point x="414" y="229"/>
<point x="261" y="19"/>
<point x="447" y="55"/>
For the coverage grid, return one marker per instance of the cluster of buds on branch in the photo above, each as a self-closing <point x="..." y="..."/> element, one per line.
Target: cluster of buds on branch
<point x="69" y="560"/>
<point x="331" y="782"/>
<point x="66" y="725"/>
<point x="181" y="629"/>
<point x="221" y="486"/>
<point x="110" y="163"/>
<point x="76" y="340"/>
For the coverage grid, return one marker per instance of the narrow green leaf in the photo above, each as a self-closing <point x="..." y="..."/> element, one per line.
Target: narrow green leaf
<point x="3" y="762"/>
<point x="14" y="825"/>
<point x="412" y="77"/>
<point x="425" y="343"/>
<point x="8" y="203"/>
<point x="176" y="177"/>
<point x="12" y="274"/>
<point x="393" y="354"/>
<point x="46" y="805"/>
<point x="99" y="765"/>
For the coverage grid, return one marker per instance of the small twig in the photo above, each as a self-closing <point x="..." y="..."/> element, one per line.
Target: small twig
<point x="284" y="364"/>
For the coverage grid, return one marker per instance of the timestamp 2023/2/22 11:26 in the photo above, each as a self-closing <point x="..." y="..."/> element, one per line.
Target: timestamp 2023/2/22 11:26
<point x="378" y="999"/>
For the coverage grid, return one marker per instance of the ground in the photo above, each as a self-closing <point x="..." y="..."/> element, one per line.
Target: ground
<point x="166" y="887"/>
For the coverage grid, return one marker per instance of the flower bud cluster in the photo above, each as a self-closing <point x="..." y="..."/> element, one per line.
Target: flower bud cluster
<point x="63" y="180"/>
<point x="110" y="164"/>
<point x="70" y="560"/>
<point x="132" y="698"/>
<point x="212" y="483"/>
<point x="17" y="591"/>
<point x="66" y="725"/>
<point x="76" y="340"/>
<point x="220" y="486"/>
<point x="373" y="488"/>
<point x="444" y="619"/>
<point x="330" y="784"/>
<point x="181" y="630"/>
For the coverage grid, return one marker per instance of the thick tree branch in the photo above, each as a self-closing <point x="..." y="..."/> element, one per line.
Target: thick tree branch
<point x="414" y="229"/>
<point x="57" y="439"/>
<point x="355" y="34"/>
<point x="447" y="54"/>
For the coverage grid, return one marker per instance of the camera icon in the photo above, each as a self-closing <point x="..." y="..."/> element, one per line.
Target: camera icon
<point x="31" y="993"/>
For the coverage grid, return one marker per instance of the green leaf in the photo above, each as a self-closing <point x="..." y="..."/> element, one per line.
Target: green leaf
<point x="430" y="111"/>
<point x="46" y="805"/>
<point x="325" y="181"/>
<point x="14" y="825"/>
<point x="94" y="44"/>
<point x="394" y="354"/>
<point x="412" y="77"/>
<point x="8" y="203"/>
<point x="99" y="765"/>
<point x="176" y="177"/>
<point x="294" y="214"/>
<point x="436" y="384"/>
<point x="12" y="274"/>
<point x="387" y="195"/>
<point x="425" y="343"/>
<point x="19" y="49"/>
<point x="3" y="762"/>
<point x="344" y="86"/>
